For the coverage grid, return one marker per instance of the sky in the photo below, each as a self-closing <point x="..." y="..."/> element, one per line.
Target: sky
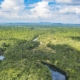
<point x="56" y="11"/>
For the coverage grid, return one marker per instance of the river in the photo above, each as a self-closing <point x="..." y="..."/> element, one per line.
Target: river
<point x="57" y="74"/>
<point x="1" y="57"/>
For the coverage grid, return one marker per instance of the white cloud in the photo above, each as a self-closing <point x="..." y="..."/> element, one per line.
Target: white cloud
<point x="14" y="11"/>
<point x="70" y="9"/>
<point x="41" y="9"/>
<point x="49" y="0"/>
<point x="12" y="5"/>
<point x="76" y="2"/>
<point x="64" y="1"/>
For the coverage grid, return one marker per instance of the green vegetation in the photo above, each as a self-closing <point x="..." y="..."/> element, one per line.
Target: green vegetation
<point x="59" y="46"/>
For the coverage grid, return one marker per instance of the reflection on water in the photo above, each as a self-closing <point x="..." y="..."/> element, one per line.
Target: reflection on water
<point x="1" y="57"/>
<point x="57" y="76"/>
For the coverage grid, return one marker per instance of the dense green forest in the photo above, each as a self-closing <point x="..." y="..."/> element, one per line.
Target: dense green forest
<point x="59" y="46"/>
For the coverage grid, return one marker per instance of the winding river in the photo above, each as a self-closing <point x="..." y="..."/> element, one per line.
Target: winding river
<point x="57" y="74"/>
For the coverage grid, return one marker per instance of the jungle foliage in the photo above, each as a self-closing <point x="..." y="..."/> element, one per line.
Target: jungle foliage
<point x="59" y="46"/>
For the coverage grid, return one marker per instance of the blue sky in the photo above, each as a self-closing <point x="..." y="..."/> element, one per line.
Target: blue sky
<point x="56" y="11"/>
<point x="31" y="1"/>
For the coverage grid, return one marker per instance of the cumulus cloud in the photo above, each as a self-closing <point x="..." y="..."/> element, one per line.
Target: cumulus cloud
<point x="64" y="1"/>
<point x="17" y="11"/>
<point x="13" y="10"/>
<point x="72" y="2"/>
<point x="70" y="9"/>
<point x="41" y="9"/>
<point x="12" y="5"/>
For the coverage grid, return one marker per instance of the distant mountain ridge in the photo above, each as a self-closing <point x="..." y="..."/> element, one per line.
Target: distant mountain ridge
<point x="40" y="23"/>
